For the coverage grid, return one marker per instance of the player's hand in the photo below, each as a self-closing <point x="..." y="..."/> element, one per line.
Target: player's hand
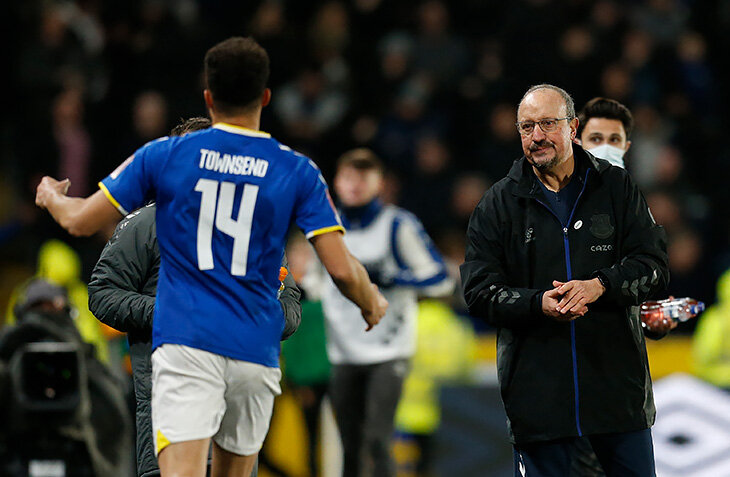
<point x="372" y="317"/>
<point x="48" y="188"/>
<point x="550" y="300"/>
<point x="577" y="294"/>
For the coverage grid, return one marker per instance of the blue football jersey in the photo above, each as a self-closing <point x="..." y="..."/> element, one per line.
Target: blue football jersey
<point x="225" y="199"/>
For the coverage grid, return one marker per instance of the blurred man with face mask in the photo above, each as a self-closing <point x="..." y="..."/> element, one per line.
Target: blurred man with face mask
<point x="604" y="129"/>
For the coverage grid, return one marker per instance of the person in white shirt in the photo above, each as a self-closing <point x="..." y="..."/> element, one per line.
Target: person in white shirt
<point x="369" y="368"/>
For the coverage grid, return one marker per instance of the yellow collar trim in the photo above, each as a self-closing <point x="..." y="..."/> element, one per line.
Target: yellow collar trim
<point x="232" y="128"/>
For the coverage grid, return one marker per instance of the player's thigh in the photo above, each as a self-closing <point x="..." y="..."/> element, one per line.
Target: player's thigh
<point x="251" y="389"/>
<point x="188" y="390"/>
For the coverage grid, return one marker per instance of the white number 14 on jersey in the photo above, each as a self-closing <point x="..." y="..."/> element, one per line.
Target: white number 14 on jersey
<point x="239" y="229"/>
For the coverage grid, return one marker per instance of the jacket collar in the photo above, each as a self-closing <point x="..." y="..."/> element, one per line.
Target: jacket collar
<point x="527" y="186"/>
<point x="354" y="218"/>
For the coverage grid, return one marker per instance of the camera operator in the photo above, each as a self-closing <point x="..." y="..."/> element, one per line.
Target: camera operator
<point x="61" y="408"/>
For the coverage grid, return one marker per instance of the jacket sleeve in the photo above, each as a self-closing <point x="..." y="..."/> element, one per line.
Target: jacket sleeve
<point x="643" y="271"/>
<point x="116" y="295"/>
<point x="486" y="291"/>
<point x="420" y="264"/>
<point x="289" y="300"/>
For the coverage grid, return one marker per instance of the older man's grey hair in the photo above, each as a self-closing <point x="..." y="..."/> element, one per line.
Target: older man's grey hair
<point x="569" y="103"/>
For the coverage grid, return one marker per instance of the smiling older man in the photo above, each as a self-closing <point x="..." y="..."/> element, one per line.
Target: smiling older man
<point x="557" y="254"/>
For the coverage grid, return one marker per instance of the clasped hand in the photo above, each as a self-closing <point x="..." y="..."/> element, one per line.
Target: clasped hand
<point x="569" y="300"/>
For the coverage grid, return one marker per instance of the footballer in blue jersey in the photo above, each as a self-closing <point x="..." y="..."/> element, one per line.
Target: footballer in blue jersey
<point x="247" y="188"/>
<point x="225" y="197"/>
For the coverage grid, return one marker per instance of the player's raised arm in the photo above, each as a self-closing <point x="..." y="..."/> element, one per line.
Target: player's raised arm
<point x="350" y="276"/>
<point x="79" y="216"/>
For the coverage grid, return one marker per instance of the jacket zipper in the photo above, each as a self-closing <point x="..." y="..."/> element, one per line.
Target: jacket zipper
<point x="566" y="246"/>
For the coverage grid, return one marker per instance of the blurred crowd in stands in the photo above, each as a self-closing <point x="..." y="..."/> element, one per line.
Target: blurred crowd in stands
<point x="431" y="86"/>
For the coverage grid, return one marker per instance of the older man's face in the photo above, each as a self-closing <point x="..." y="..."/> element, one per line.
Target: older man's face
<point x="545" y="150"/>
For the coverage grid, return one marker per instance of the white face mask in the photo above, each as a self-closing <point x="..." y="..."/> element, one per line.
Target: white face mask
<point x="610" y="153"/>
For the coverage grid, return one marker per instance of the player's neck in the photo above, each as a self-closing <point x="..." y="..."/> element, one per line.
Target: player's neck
<point x="250" y="120"/>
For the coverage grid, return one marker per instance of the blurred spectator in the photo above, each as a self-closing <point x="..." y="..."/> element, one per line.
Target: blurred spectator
<point x="72" y="141"/>
<point x="149" y="121"/>
<point x="638" y="49"/>
<point x="60" y="265"/>
<point x="150" y="116"/>
<point x="498" y="150"/>
<point x="616" y="82"/>
<point x="408" y="121"/>
<point x="578" y="61"/>
<point x="650" y="135"/>
<point x="438" y="52"/>
<point x="694" y="72"/>
<point x="467" y="192"/>
<point x="665" y="209"/>
<point x="686" y="266"/>
<point x="445" y="354"/>
<point x="711" y="341"/>
<point x="309" y="109"/>
<point x="46" y="62"/>
<point x="270" y="28"/>
<point x="427" y="191"/>
<point x="663" y="19"/>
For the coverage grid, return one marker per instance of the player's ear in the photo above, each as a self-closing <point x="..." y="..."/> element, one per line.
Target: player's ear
<point x="574" y="130"/>
<point x="266" y="97"/>
<point x="628" y="145"/>
<point x="208" y="98"/>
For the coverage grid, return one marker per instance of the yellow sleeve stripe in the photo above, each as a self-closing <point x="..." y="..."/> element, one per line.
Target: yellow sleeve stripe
<point x="162" y="442"/>
<point x="326" y="230"/>
<point x="112" y="199"/>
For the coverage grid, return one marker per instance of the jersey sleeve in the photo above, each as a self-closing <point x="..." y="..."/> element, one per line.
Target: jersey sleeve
<point x="420" y="263"/>
<point x="315" y="212"/>
<point x="132" y="184"/>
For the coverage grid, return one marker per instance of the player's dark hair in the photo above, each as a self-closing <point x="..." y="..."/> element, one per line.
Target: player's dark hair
<point x="608" y="109"/>
<point x="236" y="73"/>
<point x="362" y="159"/>
<point x="190" y="125"/>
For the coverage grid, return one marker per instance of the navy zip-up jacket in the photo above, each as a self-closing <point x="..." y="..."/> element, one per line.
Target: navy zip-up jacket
<point x="590" y="375"/>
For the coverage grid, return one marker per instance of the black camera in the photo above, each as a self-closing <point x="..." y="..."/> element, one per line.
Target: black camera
<point x="62" y="412"/>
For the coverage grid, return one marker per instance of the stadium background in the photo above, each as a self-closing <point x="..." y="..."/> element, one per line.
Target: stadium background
<point x="431" y="86"/>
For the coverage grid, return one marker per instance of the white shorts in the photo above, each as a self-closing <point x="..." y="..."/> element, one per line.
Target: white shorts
<point x="197" y="394"/>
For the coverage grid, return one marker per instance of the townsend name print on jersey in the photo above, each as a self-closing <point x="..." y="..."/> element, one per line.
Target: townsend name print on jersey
<point x="233" y="164"/>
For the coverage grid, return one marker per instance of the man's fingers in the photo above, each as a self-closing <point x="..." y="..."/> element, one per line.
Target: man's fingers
<point x="578" y="307"/>
<point x="64" y="185"/>
<point x="576" y="299"/>
<point x="557" y="284"/>
<point x="563" y="288"/>
<point x="568" y="297"/>
<point x="552" y="293"/>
